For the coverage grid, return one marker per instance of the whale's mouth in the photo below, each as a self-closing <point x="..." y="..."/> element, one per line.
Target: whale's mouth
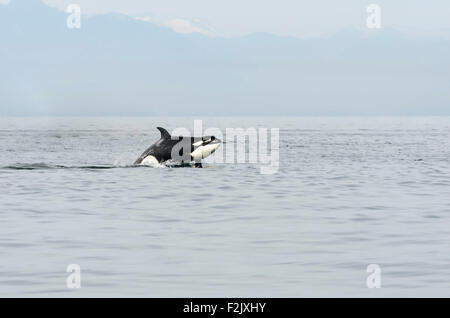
<point x="215" y="145"/>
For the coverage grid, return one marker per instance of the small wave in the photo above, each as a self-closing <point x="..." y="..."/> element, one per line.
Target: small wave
<point x="46" y="166"/>
<point x="168" y="164"/>
<point x="32" y="166"/>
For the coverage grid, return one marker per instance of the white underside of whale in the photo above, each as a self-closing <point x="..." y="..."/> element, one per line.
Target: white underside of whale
<point x="150" y="161"/>
<point x="204" y="151"/>
<point x="197" y="155"/>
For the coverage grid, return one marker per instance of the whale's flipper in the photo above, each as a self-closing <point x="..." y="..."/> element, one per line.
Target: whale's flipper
<point x="198" y="164"/>
<point x="164" y="133"/>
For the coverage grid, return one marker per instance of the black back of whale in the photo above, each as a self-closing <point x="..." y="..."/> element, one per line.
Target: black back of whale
<point x="162" y="149"/>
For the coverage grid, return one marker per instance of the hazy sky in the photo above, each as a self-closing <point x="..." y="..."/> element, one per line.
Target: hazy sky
<point x="116" y="66"/>
<point x="299" y="18"/>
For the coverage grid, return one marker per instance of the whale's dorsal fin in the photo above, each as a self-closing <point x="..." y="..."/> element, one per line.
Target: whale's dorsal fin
<point x="164" y="133"/>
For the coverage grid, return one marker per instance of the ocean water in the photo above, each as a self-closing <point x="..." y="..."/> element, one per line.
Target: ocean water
<point x="349" y="192"/>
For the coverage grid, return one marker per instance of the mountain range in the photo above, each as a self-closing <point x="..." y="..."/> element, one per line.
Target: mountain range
<point x="118" y="65"/>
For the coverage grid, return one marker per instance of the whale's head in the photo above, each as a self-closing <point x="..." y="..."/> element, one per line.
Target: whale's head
<point x="205" y="146"/>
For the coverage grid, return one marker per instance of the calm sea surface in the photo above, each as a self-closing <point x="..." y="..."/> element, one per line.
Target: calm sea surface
<point x="349" y="192"/>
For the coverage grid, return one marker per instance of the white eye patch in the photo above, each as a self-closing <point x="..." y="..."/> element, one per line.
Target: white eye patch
<point x="202" y="142"/>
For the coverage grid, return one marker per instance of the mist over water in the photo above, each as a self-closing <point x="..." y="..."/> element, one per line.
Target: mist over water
<point x="349" y="192"/>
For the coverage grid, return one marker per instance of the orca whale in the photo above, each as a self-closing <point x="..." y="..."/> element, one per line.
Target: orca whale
<point x="179" y="149"/>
